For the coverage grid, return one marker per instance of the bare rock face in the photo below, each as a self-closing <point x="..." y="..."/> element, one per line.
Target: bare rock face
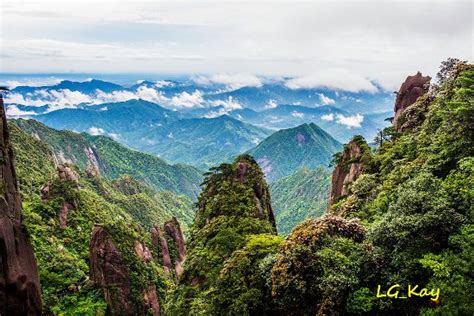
<point x="93" y="160"/>
<point x="109" y="271"/>
<point x="413" y="88"/>
<point x="142" y="251"/>
<point x="66" y="174"/>
<point x="170" y="236"/>
<point x="20" y="292"/>
<point x="63" y="213"/>
<point x="173" y="229"/>
<point x="151" y="301"/>
<point x="346" y="171"/>
<point x="159" y="242"/>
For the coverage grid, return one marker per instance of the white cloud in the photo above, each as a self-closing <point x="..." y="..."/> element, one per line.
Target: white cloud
<point x="31" y="82"/>
<point x="332" y="79"/>
<point x="186" y="100"/>
<point x="151" y="95"/>
<point x="95" y="131"/>
<point x="297" y="39"/>
<point x="350" y="121"/>
<point x="228" y="104"/>
<point x="16" y="98"/>
<point x="217" y="113"/>
<point x="14" y="112"/>
<point x="271" y="104"/>
<point x="327" y="117"/>
<point x="163" y="83"/>
<point x="297" y="114"/>
<point x="231" y="81"/>
<point x="55" y="99"/>
<point x="325" y="100"/>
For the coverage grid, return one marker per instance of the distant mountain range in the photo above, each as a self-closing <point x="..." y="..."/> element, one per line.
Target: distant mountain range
<point x="197" y="123"/>
<point x="148" y="127"/>
<point x="289" y="150"/>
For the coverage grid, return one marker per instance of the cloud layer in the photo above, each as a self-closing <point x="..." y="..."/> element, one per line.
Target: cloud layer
<point x="371" y="41"/>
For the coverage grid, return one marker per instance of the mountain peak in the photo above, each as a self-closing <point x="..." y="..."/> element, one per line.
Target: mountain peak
<point x="309" y="145"/>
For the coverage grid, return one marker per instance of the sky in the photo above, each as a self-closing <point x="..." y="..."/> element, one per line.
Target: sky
<point x="341" y="44"/>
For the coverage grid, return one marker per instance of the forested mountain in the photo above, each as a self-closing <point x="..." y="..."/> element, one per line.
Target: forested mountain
<point x="288" y="150"/>
<point x="399" y="215"/>
<point x="300" y="196"/>
<point x="105" y="156"/>
<point x="148" y="127"/>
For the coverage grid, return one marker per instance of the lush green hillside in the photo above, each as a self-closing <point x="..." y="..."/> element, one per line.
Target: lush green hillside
<point x="233" y="231"/>
<point x="299" y="196"/>
<point x="113" y="160"/>
<point x="286" y="151"/>
<point x="35" y="166"/>
<point x="404" y="218"/>
<point x="60" y="222"/>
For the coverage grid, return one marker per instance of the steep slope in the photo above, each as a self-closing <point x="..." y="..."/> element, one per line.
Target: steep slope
<point x="20" y="292"/>
<point x="286" y="151"/>
<point x="300" y="196"/>
<point x="415" y="198"/>
<point x="402" y="216"/>
<point x="234" y="216"/>
<point x="111" y="160"/>
<point x="90" y="236"/>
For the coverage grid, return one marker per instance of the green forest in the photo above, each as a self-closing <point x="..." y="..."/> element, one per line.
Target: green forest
<point x="107" y="225"/>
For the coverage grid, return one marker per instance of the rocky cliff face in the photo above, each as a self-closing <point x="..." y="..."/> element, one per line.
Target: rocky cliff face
<point x="110" y="272"/>
<point x="159" y="242"/>
<point x="173" y="229"/>
<point x="170" y="236"/>
<point x="410" y="90"/>
<point x="20" y="292"/>
<point x="65" y="175"/>
<point x="348" y="168"/>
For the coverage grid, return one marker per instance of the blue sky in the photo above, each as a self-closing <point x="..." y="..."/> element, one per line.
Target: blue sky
<point x="336" y="43"/>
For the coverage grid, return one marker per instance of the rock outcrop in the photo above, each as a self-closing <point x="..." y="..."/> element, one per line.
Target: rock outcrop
<point x="109" y="271"/>
<point x="410" y="90"/>
<point x="173" y="229"/>
<point x="68" y="175"/>
<point x="170" y="237"/>
<point x="159" y="242"/>
<point x="348" y="168"/>
<point x="246" y="169"/>
<point x="20" y="292"/>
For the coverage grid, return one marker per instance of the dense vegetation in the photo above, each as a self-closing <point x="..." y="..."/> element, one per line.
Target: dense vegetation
<point x="407" y="220"/>
<point x="299" y="196"/>
<point x="232" y="233"/>
<point x="125" y="207"/>
<point x="113" y="159"/>
<point x="288" y="150"/>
